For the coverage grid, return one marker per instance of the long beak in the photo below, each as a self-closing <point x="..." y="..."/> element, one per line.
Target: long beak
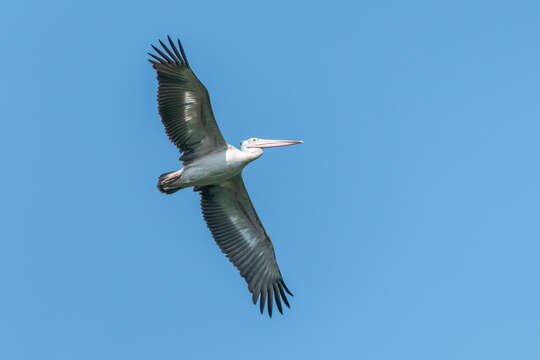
<point x="263" y="143"/>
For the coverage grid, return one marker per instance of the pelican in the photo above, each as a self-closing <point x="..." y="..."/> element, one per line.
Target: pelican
<point x="214" y="169"/>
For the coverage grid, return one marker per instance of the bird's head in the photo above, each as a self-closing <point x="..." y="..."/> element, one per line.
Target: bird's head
<point x="256" y="144"/>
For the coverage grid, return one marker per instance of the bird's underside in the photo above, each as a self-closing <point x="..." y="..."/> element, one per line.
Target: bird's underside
<point x="210" y="169"/>
<point x="186" y="113"/>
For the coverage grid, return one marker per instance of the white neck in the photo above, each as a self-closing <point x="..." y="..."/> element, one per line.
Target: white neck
<point x="252" y="153"/>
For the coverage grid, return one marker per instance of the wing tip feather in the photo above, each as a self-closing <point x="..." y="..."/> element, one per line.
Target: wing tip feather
<point x="170" y="57"/>
<point x="278" y="300"/>
<point x="270" y="298"/>
<point x="285" y="287"/>
<point x="274" y="292"/>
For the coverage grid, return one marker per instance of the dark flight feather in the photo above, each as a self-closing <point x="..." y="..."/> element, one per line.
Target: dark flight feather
<point x="239" y="233"/>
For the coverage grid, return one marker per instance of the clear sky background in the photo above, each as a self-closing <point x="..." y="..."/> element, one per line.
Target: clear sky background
<point x="407" y="225"/>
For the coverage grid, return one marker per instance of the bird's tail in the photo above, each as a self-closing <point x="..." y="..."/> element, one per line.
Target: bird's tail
<point x="170" y="182"/>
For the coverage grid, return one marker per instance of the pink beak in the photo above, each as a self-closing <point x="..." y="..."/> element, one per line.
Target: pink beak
<point x="262" y="143"/>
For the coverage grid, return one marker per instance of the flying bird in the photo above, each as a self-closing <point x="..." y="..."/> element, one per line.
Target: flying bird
<point x="214" y="169"/>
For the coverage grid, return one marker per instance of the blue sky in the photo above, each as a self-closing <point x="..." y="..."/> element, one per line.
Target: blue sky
<point x="410" y="227"/>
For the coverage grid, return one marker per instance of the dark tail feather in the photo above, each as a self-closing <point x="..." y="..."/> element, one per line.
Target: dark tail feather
<point x="169" y="183"/>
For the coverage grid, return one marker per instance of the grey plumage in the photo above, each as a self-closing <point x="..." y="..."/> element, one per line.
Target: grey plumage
<point x="184" y="106"/>
<point x="238" y="231"/>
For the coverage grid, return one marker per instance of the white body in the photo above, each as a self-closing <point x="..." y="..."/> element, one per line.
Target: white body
<point x="216" y="168"/>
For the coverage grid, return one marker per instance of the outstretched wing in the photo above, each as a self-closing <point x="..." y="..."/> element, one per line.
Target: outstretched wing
<point x="239" y="233"/>
<point x="184" y="104"/>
